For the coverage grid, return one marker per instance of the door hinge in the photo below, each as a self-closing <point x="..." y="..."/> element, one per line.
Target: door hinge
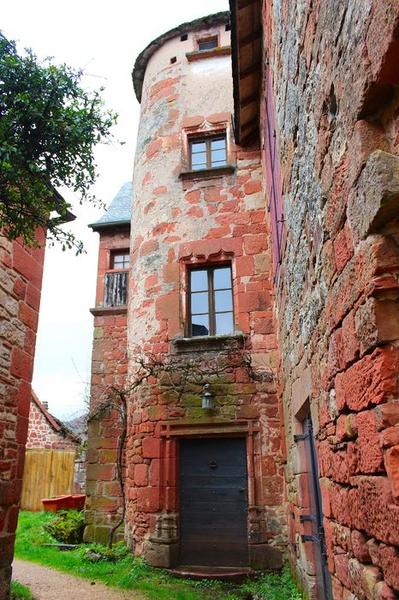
<point x="299" y="437"/>
<point x="309" y="538"/>
<point x="305" y="518"/>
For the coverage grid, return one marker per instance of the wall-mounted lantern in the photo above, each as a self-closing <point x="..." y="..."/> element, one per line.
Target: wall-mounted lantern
<point x="208" y="400"/>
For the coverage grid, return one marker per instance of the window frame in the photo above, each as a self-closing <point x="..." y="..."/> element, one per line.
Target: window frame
<point x="207" y="140"/>
<point x="205" y="40"/>
<point x="210" y="269"/>
<point x="119" y="252"/>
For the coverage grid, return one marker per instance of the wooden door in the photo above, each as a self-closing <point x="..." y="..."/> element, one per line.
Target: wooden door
<point x="213" y="502"/>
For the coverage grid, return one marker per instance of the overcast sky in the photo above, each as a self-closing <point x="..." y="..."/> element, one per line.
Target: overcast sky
<point x="103" y="38"/>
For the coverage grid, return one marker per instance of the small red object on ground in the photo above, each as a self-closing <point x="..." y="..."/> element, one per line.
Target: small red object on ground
<point x="75" y="501"/>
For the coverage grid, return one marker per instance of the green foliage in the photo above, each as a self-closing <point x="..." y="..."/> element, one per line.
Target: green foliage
<point x="96" y="552"/>
<point x="49" y="126"/>
<point x="131" y="573"/>
<point x="66" y="526"/>
<point x="274" y="586"/>
<point x="20" y="592"/>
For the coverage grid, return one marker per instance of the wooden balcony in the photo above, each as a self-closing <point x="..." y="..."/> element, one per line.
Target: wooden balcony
<point x="115" y="288"/>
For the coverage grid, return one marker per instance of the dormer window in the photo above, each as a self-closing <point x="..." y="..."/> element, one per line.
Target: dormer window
<point x="208" y="152"/>
<point x="208" y="43"/>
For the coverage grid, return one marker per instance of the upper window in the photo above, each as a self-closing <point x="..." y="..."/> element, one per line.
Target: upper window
<point x="120" y="260"/>
<point x="208" y="43"/>
<point x="211" y="301"/>
<point x="208" y="153"/>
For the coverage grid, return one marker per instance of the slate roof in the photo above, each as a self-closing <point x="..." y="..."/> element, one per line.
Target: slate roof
<point x="119" y="212"/>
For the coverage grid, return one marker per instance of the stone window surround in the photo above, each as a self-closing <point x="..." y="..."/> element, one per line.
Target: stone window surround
<point x="210" y="260"/>
<point x="206" y="129"/>
<point x="170" y="432"/>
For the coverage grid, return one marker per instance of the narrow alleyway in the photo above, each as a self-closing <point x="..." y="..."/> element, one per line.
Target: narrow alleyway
<point x="48" y="584"/>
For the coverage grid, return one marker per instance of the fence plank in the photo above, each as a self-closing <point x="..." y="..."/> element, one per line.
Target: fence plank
<point x="47" y="473"/>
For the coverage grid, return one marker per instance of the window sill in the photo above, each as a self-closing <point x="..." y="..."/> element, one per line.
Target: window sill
<point x="200" y="54"/>
<point x="103" y="311"/>
<point x="207" y="173"/>
<point x="208" y="343"/>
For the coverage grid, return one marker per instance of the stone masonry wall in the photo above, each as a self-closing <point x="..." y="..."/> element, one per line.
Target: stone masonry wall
<point x="20" y="286"/>
<point x="109" y="366"/>
<point x="178" y="222"/>
<point x="335" y="68"/>
<point x="42" y="435"/>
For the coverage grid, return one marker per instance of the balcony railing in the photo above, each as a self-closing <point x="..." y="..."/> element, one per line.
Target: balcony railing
<point x="115" y="288"/>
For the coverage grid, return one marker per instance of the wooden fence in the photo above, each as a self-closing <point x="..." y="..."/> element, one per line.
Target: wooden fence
<point x="47" y="473"/>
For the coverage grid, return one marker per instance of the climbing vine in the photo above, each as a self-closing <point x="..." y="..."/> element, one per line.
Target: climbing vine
<point x="175" y="373"/>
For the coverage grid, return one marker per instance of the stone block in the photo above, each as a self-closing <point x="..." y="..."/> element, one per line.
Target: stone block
<point x="377" y="321"/>
<point x="369" y="381"/>
<point x="389" y="559"/>
<point x="161" y="555"/>
<point x="359" y="546"/>
<point x="376" y="200"/>
<point x="151" y="447"/>
<point x="392" y="467"/>
<point x="263" y="557"/>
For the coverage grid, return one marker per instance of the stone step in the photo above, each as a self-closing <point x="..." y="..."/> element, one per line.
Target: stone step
<point x="206" y="572"/>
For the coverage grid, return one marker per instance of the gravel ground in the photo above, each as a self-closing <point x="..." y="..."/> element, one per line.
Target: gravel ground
<point x="47" y="584"/>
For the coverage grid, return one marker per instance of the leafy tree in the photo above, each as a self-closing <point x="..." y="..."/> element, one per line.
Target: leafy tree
<point x="49" y="126"/>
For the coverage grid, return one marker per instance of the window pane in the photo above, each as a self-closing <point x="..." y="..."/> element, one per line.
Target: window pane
<point x="218" y="144"/>
<point x="198" y="160"/>
<point x="222" y="278"/>
<point x="199" y="281"/>
<point x="218" y="157"/>
<point x="223" y="301"/>
<point x="200" y="325"/>
<point x="199" y="303"/>
<point x="120" y="261"/>
<point x="198" y="147"/>
<point x="224" y="323"/>
<point x="207" y="44"/>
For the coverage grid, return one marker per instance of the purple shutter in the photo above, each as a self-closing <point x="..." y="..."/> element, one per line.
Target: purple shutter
<point x="272" y="173"/>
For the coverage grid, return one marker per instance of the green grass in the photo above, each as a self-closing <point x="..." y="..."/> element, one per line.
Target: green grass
<point x="133" y="573"/>
<point x="20" y="592"/>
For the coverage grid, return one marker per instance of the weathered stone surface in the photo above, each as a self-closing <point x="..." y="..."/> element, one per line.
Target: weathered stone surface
<point x="392" y="467"/>
<point x="376" y="199"/>
<point x="264" y="557"/>
<point x="21" y="271"/>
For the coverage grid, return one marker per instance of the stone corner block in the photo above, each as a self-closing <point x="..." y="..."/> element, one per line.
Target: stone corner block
<point x="264" y="557"/>
<point x="376" y="200"/>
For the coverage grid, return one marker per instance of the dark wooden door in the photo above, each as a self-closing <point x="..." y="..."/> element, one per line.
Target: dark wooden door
<point x="213" y="502"/>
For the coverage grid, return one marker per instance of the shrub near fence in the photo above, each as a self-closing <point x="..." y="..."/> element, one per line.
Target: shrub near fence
<point x="47" y="473"/>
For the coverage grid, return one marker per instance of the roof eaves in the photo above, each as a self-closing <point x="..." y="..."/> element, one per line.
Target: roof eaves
<point x="57" y="425"/>
<point x="108" y="224"/>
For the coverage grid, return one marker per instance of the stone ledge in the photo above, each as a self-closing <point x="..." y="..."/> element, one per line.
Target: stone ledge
<point x="208" y="343"/>
<point x="102" y="311"/>
<point x="212" y="53"/>
<point x="207" y="173"/>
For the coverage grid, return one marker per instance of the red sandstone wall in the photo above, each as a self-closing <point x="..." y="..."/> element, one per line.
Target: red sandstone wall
<point x="335" y="68"/>
<point x="42" y="435"/>
<point x="109" y="366"/>
<point x="20" y="286"/>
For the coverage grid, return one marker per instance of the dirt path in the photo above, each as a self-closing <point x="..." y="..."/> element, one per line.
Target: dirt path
<point x="47" y="584"/>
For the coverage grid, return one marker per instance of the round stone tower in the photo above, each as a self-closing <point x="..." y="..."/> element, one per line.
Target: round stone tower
<point x="204" y="474"/>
